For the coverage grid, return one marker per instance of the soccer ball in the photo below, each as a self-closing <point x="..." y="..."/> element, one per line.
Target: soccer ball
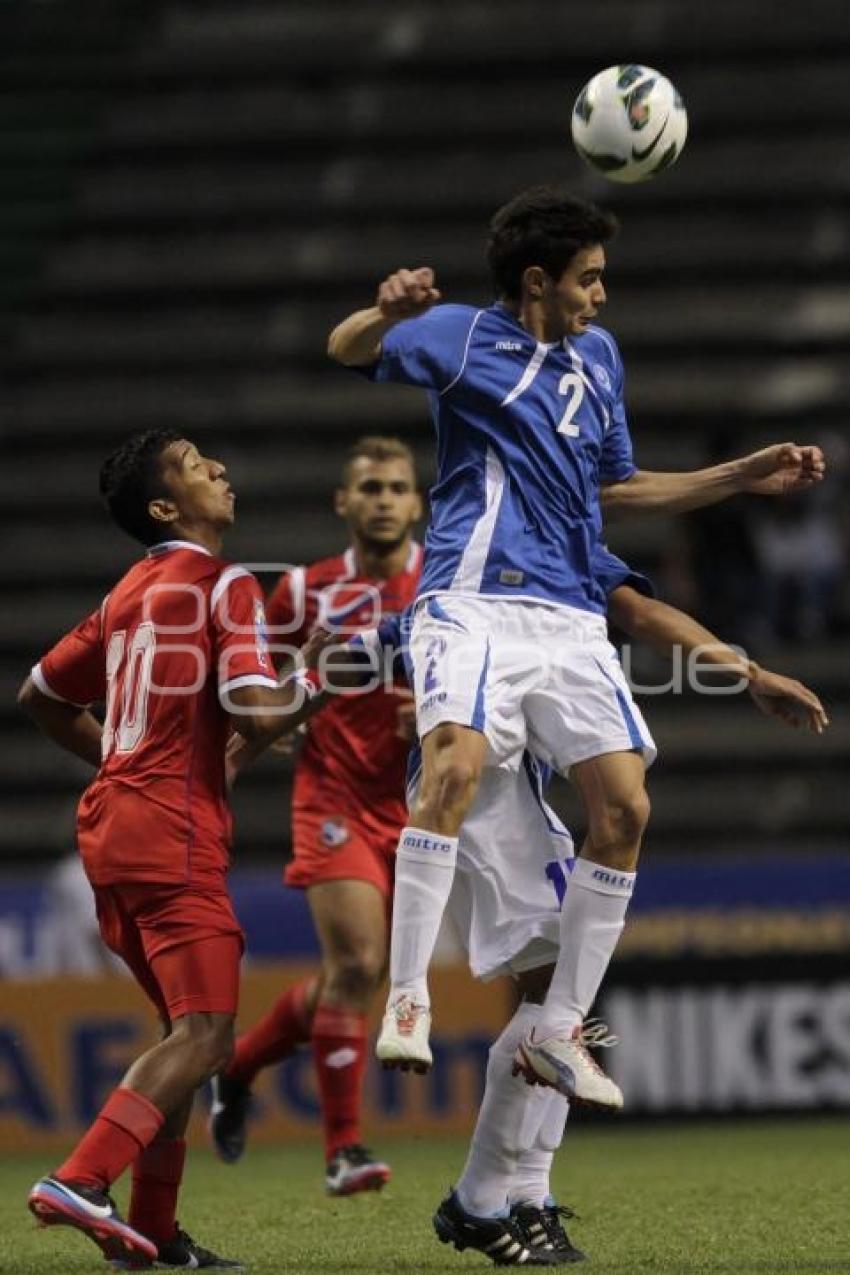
<point x="629" y="123"/>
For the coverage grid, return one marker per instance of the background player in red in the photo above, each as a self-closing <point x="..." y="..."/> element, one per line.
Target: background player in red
<point x="178" y="653"/>
<point x="348" y="808"/>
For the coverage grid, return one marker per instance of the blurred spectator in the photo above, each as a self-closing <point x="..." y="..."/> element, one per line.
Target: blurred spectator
<point x="802" y="555"/>
<point x="70" y="936"/>
<point x="759" y="572"/>
<point x="721" y="558"/>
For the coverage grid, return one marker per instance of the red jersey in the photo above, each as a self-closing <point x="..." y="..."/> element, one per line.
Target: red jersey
<point x="352" y="754"/>
<point x="175" y="635"/>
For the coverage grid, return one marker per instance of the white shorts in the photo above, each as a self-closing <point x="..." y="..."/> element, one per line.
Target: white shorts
<point x="527" y="676"/>
<point x="513" y="862"/>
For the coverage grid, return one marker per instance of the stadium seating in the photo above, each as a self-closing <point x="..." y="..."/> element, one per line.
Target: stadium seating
<point x="192" y="193"/>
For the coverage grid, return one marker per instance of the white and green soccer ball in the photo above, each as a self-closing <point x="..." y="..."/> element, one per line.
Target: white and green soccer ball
<point x="629" y="123"/>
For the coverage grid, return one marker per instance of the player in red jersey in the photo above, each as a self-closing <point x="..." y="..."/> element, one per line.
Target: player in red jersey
<point x="177" y="652"/>
<point x="348" y="808"/>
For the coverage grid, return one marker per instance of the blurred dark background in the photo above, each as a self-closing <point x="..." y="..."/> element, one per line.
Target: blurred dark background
<point x="193" y="193"/>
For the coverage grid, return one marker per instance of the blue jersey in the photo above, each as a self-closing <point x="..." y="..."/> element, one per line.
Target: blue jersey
<point x="526" y="432"/>
<point x="610" y="572"/>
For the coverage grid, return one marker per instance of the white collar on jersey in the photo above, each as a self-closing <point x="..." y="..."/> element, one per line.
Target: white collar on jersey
<point x="349" y="558"/>
<point x="165" y="546"/>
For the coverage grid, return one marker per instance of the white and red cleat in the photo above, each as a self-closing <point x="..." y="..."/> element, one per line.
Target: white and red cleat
<point x="403" y="1041"/>
<point x="565" y="1063"/>
<point x="355" y="1169"/>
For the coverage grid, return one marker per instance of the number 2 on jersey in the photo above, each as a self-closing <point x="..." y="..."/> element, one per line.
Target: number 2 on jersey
<point x="572" y="386"/>
<point x="133" y="688"/>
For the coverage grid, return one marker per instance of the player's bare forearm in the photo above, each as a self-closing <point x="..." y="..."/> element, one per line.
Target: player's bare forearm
<point x="262" y="714"/>
<point x="667" y="629"/>
<point x="244" y="748"/>
<point x="782" y="469"/>
<point x="356" y="342"/>
<point x="72" y="728"/>
<point x="652" y="492"/>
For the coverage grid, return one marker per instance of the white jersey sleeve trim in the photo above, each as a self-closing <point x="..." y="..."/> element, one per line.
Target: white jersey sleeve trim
<point x="455" y="380"/>
<point x="298" y="589"/>
<point x="40" y="681"/>
<point x="247" y="679"/>
<point x="223" y="583"/>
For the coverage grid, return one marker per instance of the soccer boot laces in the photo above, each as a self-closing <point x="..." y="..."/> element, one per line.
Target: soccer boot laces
<point x="542" y="1228"/>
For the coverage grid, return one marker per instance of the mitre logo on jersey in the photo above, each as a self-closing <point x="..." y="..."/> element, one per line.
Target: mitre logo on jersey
<point x="262" y="634"/>
<point x="510" y="347"/>
<point x="334" y="833"/>
<point x="601" y="375"/>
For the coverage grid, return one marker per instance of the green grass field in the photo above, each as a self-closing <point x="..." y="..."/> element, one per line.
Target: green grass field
<point x="754" y="1197"/>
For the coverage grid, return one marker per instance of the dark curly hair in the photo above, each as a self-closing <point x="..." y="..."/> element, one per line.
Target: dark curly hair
<point x="131" y="478"/>
<point x="543" y="226"/>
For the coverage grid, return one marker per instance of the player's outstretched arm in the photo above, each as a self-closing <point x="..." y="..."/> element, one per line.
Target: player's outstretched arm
<point x="666" y="629"/>
<point x="261" y="715"/>
<point x="75" y="729"/>
<point x="779" y="470"/>
<point x="787" y="699"/>
<point x="356" y="342"/>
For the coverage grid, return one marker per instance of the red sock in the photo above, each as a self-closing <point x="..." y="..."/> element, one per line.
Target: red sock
<point x="339" y="1049"/>
<point x="275" y="1037"/>
<point x="157" y="1174"/>
<point x="126" y="1124"/>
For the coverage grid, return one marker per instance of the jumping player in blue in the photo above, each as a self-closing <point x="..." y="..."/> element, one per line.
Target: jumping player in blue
<point x="509" y="647"/>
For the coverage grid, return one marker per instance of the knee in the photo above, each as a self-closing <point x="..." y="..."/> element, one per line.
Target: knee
<point x="627" y="817"/>
<point x="211" y="1039"/>
<point x="355" y="975"/>
<point x="459" y="780"/>
<point x="448" y="791"/>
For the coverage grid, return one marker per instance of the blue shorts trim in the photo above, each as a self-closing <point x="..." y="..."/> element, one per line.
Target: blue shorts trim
<point x="478" y="714"/>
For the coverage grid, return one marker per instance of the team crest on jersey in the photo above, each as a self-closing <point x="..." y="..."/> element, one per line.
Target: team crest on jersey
<point x="601" y="375"/>
<point x="334" y="833"/>
<point x="262" y="634"/>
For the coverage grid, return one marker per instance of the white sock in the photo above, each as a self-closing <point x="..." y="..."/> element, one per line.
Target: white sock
<point x="592" y="920"/>
<point x="424" y="871"/>
<point x="508" y="1118"/>
<point x="531" y="1183"/>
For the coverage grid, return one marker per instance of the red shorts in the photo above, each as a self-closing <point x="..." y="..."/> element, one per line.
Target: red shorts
<point x="182" y="945"/>
<point x="340" y="844"/>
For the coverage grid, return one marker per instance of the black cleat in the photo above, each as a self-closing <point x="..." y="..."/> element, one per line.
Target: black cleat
<point x="181" y="1252"/>
<point x="354" y="1169"/>
<point x="231" y="1103"/>
<point x="542" y="1229"/>
<point x="498" y="1238"/>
